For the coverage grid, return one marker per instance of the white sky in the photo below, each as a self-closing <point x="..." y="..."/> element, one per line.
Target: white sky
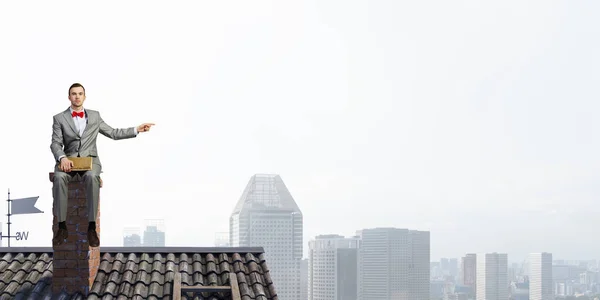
<point x="474" y="120"/>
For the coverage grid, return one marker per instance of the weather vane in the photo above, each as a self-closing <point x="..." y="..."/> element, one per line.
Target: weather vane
<point x="21" y="206"/>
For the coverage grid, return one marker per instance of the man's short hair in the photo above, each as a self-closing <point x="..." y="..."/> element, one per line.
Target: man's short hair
<point x="76" y="85"/>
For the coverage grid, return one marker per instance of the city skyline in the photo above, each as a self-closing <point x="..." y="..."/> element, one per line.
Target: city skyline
<point x="222" y="235"/>
<point x="370" y="150"/>
<point x="451" y="118"/>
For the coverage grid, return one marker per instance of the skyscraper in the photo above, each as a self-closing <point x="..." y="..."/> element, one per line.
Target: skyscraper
<point x="154" y="235"/>
<point x="304" y="279"/>
<point x="332" y="268"/>
<point x="492" y="276"/>
<point x="267" y="216"/>
<point x="468" y="272"/>
<point x="393" y="264"/>
<point x="540" y="276"/>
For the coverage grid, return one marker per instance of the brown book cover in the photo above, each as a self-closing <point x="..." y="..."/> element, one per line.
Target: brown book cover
<point x="81" y="163"/>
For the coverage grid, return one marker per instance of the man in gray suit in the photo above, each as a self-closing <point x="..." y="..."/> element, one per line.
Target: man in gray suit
<point x="74" y="133"/>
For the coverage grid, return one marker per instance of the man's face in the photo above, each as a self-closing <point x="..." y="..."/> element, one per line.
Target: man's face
<point x="77" y="96"/>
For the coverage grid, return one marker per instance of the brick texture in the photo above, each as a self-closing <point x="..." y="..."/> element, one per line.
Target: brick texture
<point x="75" y="263"/>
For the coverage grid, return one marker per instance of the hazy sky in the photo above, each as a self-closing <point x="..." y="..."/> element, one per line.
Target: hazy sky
<point x="474" y="120"/>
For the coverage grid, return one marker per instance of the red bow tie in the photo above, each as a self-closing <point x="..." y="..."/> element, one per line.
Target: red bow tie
<point x="77" y="114"/>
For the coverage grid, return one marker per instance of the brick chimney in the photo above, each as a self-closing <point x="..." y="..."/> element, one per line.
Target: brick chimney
<point x="75" y="263"/>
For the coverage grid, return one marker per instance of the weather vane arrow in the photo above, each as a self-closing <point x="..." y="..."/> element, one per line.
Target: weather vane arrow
<point x="24" y="206"/>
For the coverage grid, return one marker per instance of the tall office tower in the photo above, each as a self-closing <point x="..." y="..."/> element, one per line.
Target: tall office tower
<point x="540" y="276"/>
<point x="332" y="268"/>
<point x="492" y="276"/>
<point x="132" y="237"/>
<point x="468" y="272"/>
<point x="304" y="279"/>
<point x="393" y="264"/>
<point x="267" y="216"/>
<point x="154" y="235"/>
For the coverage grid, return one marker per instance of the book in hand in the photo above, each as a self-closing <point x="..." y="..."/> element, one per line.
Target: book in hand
<point x="81" y="163"/>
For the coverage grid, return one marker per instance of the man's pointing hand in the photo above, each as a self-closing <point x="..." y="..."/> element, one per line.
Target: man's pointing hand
<point x="145" y="127"/>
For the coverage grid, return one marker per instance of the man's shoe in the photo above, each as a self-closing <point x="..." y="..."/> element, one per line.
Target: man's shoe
<point x="60" y="237"/>
<point x="93" y="239"/>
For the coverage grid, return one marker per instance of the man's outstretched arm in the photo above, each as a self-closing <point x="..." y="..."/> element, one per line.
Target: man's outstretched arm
<point x="122" y="133"/>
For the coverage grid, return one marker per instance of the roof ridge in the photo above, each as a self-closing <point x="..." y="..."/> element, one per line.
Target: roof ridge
<point x="129" y="250"/>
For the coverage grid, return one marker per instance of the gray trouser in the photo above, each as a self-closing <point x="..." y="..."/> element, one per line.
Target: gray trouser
<point x="60" y="190"/>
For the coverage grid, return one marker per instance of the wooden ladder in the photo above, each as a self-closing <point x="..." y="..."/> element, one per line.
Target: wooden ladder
<point x="233" y="287"/>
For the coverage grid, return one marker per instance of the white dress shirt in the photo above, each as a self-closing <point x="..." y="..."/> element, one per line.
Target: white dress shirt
<point x="80" y="123"/>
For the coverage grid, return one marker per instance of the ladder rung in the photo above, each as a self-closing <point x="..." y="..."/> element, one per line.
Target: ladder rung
<point x="205" y="288"/>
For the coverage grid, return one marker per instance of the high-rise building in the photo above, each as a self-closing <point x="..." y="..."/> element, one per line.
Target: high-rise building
<point x="154" y="235"/>
<point x="468" y="271"/>
<point x="332" y="268"/>
<point x="304" y="279"/>
<point x="267" y="216"/>
<point x="393" y="264"/>
<point x="492" y="276"/>
<point x="540" y="277"/>
<point x="132" y="237"/>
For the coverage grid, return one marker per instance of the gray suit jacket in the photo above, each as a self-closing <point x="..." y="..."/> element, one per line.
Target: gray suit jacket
<point x="67" y="141"/>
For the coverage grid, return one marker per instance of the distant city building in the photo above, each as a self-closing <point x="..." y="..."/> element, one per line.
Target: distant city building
<point x="492" y="277"/>
<point x="519" y="291"/>
<point x="332" y="268"/>
<point x="565" y="277"/>
<point x="566" y="272"/>
<point x="436" y="289"/>
<point x="448" y="267"/>
<point x="453" y="268"/>
<point x="132" y="237"/>
<point x="564" y="289"/>
<point x="154" y="235"/>
<point x="445" y="266"/>
<point x="267" y="216"/>
<point x="222" y="239"/>
<point x="468" y="272"/>
<point x="304" y="279"/>
<point x="513" y="272"/>
<point x="435" y="271"/>
<point x="394" y="264"/>
<point x="540" y="277"/>
<point x="462" y="292"/>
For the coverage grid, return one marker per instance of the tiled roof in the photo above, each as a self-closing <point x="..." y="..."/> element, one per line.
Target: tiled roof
<point x="143" y="273"/>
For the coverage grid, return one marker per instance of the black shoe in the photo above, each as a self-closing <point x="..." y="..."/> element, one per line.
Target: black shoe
<point x="60" y="237"/>
<point x="93" y="239"/>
